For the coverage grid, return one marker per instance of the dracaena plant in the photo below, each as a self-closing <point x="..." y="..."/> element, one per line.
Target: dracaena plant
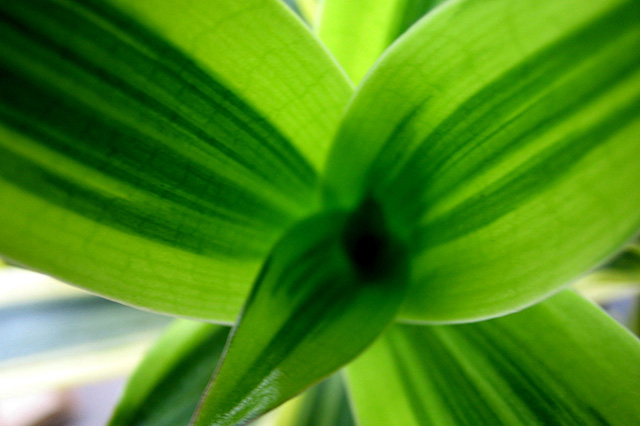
<point x="211" y="159"/>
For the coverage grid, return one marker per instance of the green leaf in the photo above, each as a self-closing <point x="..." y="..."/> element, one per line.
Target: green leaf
<point x="623" y="268"/>
<point x="153" y="151"/>
<point x="322" y="297"/>
<point x="561" y="362"/>
<point x="358" y="31"/>
<point x="166" y="387"/>
<point x="325" y="404"/>
<point x="504" y="136"/>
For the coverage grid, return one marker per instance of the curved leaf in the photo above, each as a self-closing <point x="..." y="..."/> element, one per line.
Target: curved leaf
<point x="504" y="136"/>
<point x="153" y="151"/>
<point x="166" y="387"/>
<point x="316" y="305"/>
<point x="562" y="361"/>
<point x="358" y="31"/>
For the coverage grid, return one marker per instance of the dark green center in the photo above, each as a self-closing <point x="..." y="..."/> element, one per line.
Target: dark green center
<point x="372" y="249"/>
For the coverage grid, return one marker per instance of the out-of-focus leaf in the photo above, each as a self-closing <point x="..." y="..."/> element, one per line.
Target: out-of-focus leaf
<point x="325" y="404"/>
<point x="562" y="361"/>
<point x="20" y="286"/>
<point x="36" y="329"/>
<point x="618" y="279"/>
<point x="623" y="268"/>
<point x="308" y="9"/>
<point x="505" y="136"/>
<point x="358" y="31"/>
<point x="62" y="336"/>
<point x="327" y="290"/>
<point x="153" y="151"/>
<point x="166" y="387"/>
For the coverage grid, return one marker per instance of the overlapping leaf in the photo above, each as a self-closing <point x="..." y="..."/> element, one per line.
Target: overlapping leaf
<point x="504" y="135"/>
<point x="316" y="305"/>
<point x="167" y="386"/>
<point x="358" y="31"/>
<point x="562" y="361"/>
<point x="153" y="151"/>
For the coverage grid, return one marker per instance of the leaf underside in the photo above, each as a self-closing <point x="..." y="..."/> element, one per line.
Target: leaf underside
<point x="512" y="162"/>
<point x="167" y="385"/>
<point x="562" y="361"/>
<point x="314" y="307"/>
<point x="358" y="31"/>
<point x="139" y="159"/>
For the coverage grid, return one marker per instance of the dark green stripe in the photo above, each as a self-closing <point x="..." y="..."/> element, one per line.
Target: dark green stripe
<point x="541" y="172"/>
<point x="155" y="77"/>
<point x="459" y="390"/>
<point x="175" y="398"/>
<point x="93" y="86"/>
<point x="326" y="303"/>
<point x="129" y="155"/>
<point x="178" y="229"/>
<point x="408" y="377"/>
<point x="434" y="169"/>
<point x="412" y="11"/>
<point x="546" y="403"/>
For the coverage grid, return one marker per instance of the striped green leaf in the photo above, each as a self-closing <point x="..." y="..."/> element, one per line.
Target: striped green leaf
<point x="504" y="135"/>
<point x="358" y="31"/>
<point x="166" y="387"/>
<point x="561" y="362"/>
<point x="320" y="300"/>
<point x="153" y="151"/>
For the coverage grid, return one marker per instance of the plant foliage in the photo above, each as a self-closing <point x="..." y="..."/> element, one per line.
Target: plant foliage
<point x="212" y="160"/>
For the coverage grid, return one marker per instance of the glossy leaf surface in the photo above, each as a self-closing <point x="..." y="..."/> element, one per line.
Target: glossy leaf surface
<point x="358" y="31"/>
<point x="562" y="361"/>
<point x="316" y="305"/>
<point x="505" y="136"/>
<point x="166" y="387"/>
<point x="153" y="151"/>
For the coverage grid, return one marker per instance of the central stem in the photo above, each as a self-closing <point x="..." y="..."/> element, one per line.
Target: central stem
<point x="372" y="248"/>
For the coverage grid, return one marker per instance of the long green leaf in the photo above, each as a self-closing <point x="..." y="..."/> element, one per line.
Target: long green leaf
<point x="317" y="304"/>
<point x="358" y="31"/>
<point x="153" y="151"/>
<point x="561" y="362"/>
<point x="505" y="136"/>
<point x="166" y="387"/>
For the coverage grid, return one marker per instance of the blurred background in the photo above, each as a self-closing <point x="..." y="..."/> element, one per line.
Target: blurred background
<point x="65" y="354"/>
